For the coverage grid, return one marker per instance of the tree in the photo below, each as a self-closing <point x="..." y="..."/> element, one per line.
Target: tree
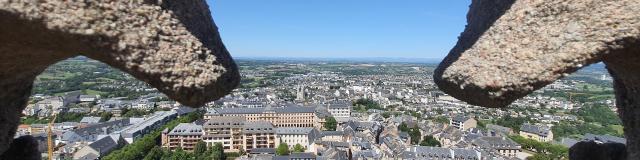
<point x="330" y="124"/>
<point x="403" y="127"/>
<point x="217" y="152"/>
<point x="482" y="125"/>
<point x="105" y="116"/>
<point x="155" y="153"/>
<point x="512" y="122"/>
<point x="180" y="154"/>
<point x="539" y="157"/>
<point x="441" y="119"/>
<point x="430" y="141"/>
<point x="242" y="152"/>
<point x="283" y="149"/>
<point x="200" y="149"/>
<point x="298" y="148"/>
<point x="415" y="135"/>
<point x="386" y="114"/>
<point x="368" y="104"/>
<point x="543" y="149"/>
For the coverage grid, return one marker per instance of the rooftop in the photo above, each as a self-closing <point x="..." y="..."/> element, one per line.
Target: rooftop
<point x="264" y="110"/>
<point x="539" y="130"/>
<point x="294" y="130"/>
<point x="496" y="143"/>
<point x="187" y="129"/>
<point x="259" y="127"/>
<point x="219" y="121"/>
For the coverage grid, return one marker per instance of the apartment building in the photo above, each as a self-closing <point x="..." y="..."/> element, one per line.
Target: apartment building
<point x="500" y="145"/>
<point x="259" y="134"/>
<point x="235" y="133"/>
<point x="292" y="136"/>
<point x="340" y="109"/>
<point x="538" y="133"/>
<point x="185" y="135"/>
<point x="293" y="116"/>
<point x="225" y="130"/>
<point x="463" y="123"/>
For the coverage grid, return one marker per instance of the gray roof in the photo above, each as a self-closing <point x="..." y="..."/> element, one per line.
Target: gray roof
<point x="432" y="152"/>
<point x="568" y="142"/>
<point x="90" y="120"/>
<point x="294" y="130"/>
<point x="605" y="138"/>
<point x="265" y="109"/>
<point x="496" y="143"/>
<point x="459" y="153"/>
<point x="296" y="156"/>
<point x="425" y="152"/>
<point x="366" y="154"/>
<point x="498" y="128"/>
<point x="332" y="133"/>
<point x="332" y="153"/>
<point x="98" y="128"/>
<point x="539" y="130"/>
<point x="460" y="118"/>
<point x="89" y="156"/>
<point x="104" y="145"/>
<point x="187" y="129"/>
<point x="258" y="127"/>
<point x="184" y="110"/>
<point x="150" y="121"/>
<point x="227" y="121"/>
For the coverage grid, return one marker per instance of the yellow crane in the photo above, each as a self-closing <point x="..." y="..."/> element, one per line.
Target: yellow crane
<point x="49" y="138"/>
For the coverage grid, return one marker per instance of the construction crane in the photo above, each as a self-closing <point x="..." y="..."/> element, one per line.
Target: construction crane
<point x="49" y="138"/>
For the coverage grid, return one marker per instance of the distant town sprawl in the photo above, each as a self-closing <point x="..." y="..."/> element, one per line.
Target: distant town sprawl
<point x="312" y="110"/>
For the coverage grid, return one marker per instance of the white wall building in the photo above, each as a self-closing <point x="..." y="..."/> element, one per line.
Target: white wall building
<point x="297" y="135"/>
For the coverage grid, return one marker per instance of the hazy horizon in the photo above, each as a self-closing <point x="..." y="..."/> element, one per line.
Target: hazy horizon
<point x="339" y="29"/>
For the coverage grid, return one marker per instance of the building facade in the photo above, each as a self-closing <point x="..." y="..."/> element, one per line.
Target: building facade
<point x="340" y="110"/>
<point x="185" y="135"/>
<point x="463" y="123"/>
<point x="225" y="130"/>
<point x="236" y="134"/>
<point x="500" y="145"/>
<point x="278" y="116"/>
<point x="538" y="133"/>
<point x="259" y="134"/>
<point x="292" y="136"/>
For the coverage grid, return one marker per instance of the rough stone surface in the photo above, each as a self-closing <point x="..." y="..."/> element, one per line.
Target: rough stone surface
<point x="23" y="148"/>
<point x="588" y="150"/>
<point x="502" y="57"/>
<point x="512" y="47"/>
<point x="172" y="45"/>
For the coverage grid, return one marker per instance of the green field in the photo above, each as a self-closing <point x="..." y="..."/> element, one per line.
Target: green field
<point x="94" y="92"/>
<point x="57" y="75"/>
<point x="618" y="128"/>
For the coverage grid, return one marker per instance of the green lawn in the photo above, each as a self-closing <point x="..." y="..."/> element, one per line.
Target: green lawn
<point x="88" y="83"/>
<point x="592" y="87"/>
<point x="618" y="128"/>
<point x="56" y="75"/>
<point x="105" y="79"/>
<point x="94" y="92"/>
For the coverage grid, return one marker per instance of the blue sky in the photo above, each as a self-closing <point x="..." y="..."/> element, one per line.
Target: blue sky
<point x="339" y="28"/>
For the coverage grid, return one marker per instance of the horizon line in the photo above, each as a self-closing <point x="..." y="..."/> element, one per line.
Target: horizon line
<point x="301" y="57"/>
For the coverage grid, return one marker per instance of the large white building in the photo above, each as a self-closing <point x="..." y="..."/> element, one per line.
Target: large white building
<point x="340" y="110"/>
<point x="294" y="135"/>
